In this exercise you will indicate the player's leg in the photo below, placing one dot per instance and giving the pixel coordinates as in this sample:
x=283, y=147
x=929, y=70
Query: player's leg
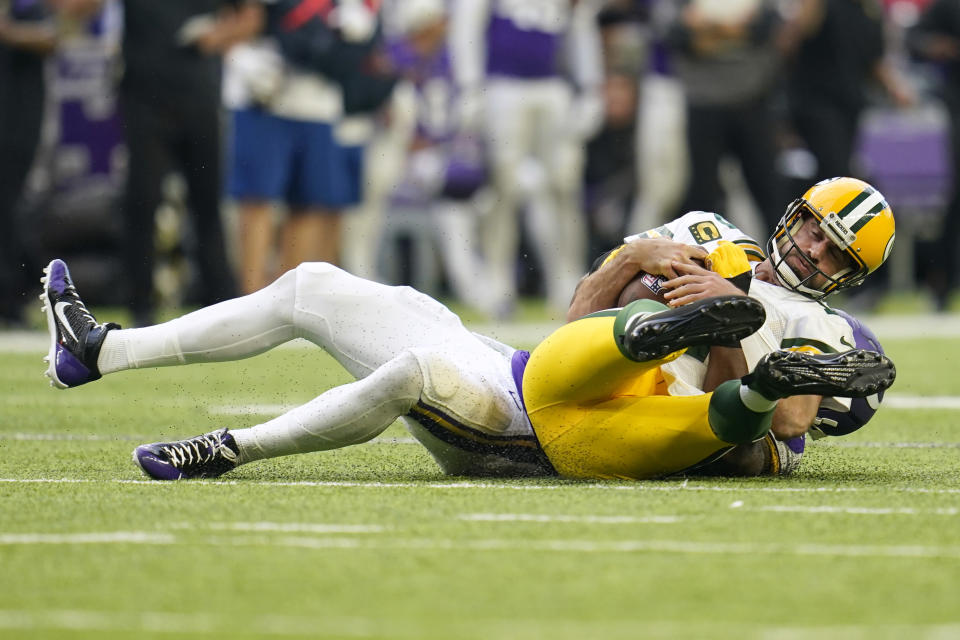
x=461, y=394
x=765, y=457
x=147, y=128
x=342, y=416
x=661, y=151
x=558, y=226
x=81, y=350
x=455, y=222
x=362, y=324
x=200, y=152
x=323, y=182
x=600, y=355
x=260, y=163
x=509, y=133
x=645, y=437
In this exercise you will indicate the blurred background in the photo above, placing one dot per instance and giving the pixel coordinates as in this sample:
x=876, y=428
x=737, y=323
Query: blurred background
x=181, y=152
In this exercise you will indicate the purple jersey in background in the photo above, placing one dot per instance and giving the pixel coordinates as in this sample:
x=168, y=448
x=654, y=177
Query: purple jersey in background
x=432, y=79
x=459, y=159
x=524, y=37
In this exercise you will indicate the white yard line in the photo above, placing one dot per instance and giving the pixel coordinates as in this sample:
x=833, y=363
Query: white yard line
x=109, y=537
x=637, y=486
x=194, y=624
x=858, y=511
x=67, y=437
x=897, y=401
x=945, y=552
x=550, y=519
x=282, y=527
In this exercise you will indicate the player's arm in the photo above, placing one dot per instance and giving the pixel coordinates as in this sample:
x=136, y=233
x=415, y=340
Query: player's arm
x=35, y=37
x=725, y=363
x=601, y=289
x=794, y=416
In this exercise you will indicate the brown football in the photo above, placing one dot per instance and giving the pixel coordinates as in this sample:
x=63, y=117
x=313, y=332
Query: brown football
x=644, y=286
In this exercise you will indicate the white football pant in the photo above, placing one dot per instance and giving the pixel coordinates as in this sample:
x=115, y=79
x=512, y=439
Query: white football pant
x=405, y=349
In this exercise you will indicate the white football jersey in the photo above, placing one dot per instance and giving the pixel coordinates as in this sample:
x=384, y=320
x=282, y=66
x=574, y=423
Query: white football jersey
x=794, y=322
x=705, y=229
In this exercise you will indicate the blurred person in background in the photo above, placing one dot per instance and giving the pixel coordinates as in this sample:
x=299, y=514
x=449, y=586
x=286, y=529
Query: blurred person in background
x=662, y=156
x=726, y=59
x=936, y=37
x=610, y=175
x=513, y=62
x=424, y=163
x=170, y=101
x=27, y=36
x=29, y=33
x=835, y=51
x=299, y=96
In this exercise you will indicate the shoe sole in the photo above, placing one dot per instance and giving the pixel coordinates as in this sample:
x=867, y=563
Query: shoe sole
x=703, y=323
x=47, y=309
x=851, y=374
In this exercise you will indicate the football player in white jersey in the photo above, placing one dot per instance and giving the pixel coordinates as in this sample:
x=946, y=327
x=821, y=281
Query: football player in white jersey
x=513, y=61
x=828, y=240
x=588, y=402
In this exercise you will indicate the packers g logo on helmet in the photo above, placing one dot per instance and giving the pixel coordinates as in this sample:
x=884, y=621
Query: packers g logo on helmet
x=854, y=216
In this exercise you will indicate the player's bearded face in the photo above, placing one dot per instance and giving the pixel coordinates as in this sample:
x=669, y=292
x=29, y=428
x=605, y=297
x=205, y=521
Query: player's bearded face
x=810, y=253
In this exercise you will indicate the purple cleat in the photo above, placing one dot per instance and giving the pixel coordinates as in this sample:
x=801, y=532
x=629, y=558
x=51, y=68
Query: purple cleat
x=75, y=336
x=205, y=456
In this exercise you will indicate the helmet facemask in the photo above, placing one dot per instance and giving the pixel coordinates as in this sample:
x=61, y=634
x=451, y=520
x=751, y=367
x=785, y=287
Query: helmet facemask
x=816, y=284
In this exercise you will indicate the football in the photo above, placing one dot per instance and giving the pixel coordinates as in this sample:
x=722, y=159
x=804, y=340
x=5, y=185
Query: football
x=645, y=286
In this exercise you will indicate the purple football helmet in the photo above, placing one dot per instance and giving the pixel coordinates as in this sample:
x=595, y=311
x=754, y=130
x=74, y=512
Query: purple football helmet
x=840, y=423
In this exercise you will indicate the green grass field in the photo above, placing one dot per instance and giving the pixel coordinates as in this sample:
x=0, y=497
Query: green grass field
x=373, y=542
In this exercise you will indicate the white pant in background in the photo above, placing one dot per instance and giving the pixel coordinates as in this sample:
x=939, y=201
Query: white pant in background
x=530, y=119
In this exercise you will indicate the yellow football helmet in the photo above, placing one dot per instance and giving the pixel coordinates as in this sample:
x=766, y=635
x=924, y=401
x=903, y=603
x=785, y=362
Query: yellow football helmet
x=853, y=215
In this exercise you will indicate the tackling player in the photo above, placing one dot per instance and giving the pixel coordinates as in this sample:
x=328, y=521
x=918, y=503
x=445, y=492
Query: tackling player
x=838, y=222
x=590, y=401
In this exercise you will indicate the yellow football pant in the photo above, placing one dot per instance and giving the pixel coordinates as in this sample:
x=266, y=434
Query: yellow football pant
x=599, y=415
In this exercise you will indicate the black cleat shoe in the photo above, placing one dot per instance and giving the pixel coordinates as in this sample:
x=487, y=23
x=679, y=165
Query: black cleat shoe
x=75, y=336
x=852, y=374
x=718, y=321
x=205, y=456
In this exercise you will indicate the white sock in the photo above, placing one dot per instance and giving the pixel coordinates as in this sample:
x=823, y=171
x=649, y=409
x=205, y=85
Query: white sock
x=139, y=348
x=755, y=401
